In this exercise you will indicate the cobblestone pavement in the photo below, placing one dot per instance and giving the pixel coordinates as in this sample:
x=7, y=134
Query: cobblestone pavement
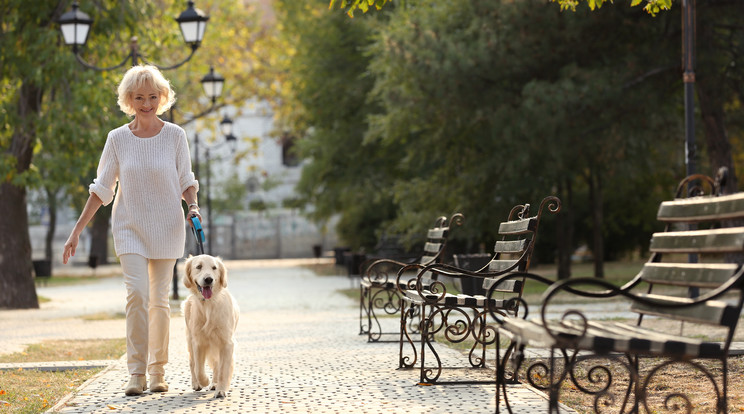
x=298, y=352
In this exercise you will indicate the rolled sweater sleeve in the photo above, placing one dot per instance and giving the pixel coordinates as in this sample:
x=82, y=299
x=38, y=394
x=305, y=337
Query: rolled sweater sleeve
x=108, y=174
x=186, y=177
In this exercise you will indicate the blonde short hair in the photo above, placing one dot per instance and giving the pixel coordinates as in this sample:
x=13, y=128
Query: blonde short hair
x=144, y=75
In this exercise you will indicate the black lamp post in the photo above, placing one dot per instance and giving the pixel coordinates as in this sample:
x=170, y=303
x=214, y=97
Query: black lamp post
x=226, y=127
x=212, y=83
x=75, y=26
x=688, y=77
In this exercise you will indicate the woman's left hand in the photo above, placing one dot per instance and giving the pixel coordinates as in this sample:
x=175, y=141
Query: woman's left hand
x=193, y=212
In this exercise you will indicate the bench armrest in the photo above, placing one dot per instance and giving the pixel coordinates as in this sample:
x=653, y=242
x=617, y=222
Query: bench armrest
x=383, y=270
x=605, y=289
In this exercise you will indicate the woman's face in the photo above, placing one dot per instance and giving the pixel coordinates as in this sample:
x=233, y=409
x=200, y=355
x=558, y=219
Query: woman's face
x=145, y=101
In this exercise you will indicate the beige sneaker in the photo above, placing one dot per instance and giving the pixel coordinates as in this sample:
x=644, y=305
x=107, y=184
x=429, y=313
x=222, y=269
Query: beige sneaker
x=137, y=385
x=158, y=384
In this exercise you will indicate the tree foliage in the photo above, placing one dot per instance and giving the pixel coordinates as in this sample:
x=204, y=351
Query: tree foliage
x=475, y=106
x=652, y=7
x=49, y=110
x=56, y=113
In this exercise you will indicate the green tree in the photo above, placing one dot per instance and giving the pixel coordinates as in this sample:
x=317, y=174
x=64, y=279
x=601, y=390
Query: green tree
x=41, y=85
x=515, y=96
x=326, y=77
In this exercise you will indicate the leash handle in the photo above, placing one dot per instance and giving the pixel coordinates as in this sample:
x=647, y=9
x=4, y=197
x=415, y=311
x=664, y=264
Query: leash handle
x=198, y=233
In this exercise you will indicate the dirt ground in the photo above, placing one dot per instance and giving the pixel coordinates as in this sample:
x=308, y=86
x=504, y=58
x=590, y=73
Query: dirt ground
x=669, y=385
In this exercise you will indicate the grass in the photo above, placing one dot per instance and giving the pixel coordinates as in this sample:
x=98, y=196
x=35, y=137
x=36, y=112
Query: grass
x=32, y=391
x=103, y=316
x=72, y=280
x=67, y=350
x=324, y=269
x=37, y=391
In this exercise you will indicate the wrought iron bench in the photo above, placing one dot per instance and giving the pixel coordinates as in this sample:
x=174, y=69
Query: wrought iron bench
x=378, y=290
x=457, y=317
x=698, y=249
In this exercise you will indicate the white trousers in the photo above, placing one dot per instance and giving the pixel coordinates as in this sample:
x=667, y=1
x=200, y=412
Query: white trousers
x=148, y=312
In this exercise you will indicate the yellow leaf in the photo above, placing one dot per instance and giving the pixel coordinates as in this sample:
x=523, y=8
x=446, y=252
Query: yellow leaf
x=113, y=407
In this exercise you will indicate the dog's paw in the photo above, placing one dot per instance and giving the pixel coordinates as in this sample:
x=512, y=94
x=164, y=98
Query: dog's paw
x=220, y=394
x=196, y=386
x=212, y=386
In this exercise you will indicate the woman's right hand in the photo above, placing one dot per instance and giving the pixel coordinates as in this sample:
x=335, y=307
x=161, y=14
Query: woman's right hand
x=70, y=246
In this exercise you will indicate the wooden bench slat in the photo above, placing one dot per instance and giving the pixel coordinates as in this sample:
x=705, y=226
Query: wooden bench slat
x=475, y=301
x=426, y=259
x=437, y=233
x=702, y=208
x=607, y=336
x=517, y=227
x=707, y=275
x=501, y=265
x=432, y=248
x=510, y=286
x=510, y=246
x=712, y=312
x=724, y=240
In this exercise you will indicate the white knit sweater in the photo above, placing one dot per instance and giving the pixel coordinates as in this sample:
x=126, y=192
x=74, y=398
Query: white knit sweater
x=152, y=174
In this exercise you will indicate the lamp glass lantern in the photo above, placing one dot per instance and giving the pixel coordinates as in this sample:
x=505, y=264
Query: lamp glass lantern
x=193, y=23
x=226, y=126
x=75, y=26
x=212, y=83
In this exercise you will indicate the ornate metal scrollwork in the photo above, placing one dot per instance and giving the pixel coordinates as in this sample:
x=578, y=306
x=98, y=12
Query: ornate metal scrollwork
x=678, y=401
x=597, y=380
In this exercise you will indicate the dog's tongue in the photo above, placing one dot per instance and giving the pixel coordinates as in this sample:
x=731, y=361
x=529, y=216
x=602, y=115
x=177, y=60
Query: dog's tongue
x=207, y=292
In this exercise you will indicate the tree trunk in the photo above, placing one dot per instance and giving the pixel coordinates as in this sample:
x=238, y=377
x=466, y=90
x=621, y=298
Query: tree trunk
x=565, y=230
x=49, y=242
x=595, y=194
x=17, y=289
x=99, y=235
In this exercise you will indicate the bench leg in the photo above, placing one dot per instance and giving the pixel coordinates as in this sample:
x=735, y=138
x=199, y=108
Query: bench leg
x=480, y=334
x=404, y=362
x=501, y=379
x=387, y=300
x=363, y=310
x=429, y=327
x=425, y=321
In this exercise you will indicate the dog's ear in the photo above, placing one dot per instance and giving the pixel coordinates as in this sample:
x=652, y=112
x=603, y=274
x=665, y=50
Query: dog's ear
x=187, y=280
x=223, y=272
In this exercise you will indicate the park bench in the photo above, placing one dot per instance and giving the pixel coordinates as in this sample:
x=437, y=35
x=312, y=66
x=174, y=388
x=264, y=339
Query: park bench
x=378, y=289
x=458, y=317
x=700, y=248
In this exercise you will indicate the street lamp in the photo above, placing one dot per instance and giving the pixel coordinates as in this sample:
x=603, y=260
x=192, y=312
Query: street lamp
x=226, y=127
x=75, y=26
x=212, y=83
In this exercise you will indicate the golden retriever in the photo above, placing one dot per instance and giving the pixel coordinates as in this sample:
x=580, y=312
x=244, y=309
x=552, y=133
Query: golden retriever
x=211, y=314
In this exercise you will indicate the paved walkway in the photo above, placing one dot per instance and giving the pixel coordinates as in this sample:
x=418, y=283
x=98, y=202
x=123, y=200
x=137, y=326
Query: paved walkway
x=298, y=352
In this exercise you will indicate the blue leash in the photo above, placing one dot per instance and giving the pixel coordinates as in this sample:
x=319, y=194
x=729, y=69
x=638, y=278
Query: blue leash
x=198, y=233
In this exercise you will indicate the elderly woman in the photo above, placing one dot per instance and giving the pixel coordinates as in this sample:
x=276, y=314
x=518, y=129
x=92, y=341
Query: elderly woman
x=150, y=160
